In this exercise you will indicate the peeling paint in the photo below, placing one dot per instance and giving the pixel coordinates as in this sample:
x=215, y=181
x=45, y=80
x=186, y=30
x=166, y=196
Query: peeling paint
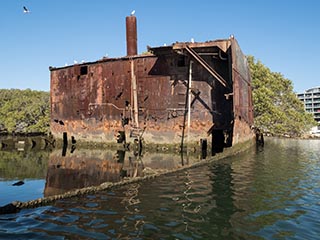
x=146, y=96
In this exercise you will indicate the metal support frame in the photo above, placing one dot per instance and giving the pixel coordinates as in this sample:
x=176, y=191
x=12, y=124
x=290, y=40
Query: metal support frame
x=189, y=100
x=203, y=63
x=135, y=95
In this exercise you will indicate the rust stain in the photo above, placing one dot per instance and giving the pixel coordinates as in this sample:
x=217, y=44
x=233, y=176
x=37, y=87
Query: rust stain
x=146, y=96
x=131, y=33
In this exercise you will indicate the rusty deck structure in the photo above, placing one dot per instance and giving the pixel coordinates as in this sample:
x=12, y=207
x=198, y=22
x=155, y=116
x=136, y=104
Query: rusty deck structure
x=186, y=93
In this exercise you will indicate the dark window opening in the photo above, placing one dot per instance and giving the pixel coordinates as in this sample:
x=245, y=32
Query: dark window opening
x=121, y=137
x=84, y=70
x=181, y=61
x=217, y=142
x=204, y=145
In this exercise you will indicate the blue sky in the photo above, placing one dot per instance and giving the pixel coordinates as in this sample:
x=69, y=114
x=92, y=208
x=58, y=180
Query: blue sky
x=283, y=34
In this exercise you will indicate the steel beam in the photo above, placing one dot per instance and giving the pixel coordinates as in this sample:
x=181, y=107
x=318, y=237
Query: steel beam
x=203, y=63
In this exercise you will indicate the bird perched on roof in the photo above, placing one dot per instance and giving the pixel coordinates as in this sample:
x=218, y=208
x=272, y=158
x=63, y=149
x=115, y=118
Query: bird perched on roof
x=25, y=9
x=133, y=12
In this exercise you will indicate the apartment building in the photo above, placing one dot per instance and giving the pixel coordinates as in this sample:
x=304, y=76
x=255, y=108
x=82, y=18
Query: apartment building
x=311, y=100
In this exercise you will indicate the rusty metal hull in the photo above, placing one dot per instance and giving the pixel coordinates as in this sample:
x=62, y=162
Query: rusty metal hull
x=186, y=92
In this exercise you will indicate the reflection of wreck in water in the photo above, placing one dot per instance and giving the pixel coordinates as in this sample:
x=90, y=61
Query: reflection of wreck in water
x=191, y=92
x=80, y=170
x=91, y=168
x=26, y=143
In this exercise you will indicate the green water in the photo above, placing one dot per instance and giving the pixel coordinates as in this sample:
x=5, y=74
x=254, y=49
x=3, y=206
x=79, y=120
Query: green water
x=270, y=193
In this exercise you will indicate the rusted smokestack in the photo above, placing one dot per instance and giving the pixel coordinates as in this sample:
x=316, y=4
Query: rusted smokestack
x=131, y=29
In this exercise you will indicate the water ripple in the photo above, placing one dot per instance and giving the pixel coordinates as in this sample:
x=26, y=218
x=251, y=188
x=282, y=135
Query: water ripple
x=269, y=194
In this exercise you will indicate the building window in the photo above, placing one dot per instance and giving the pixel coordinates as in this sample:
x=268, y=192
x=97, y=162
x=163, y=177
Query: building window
x=84, y=70
x=181, y=61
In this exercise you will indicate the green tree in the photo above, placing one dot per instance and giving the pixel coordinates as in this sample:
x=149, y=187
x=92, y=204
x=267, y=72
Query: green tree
x=24, y=110
x=277, y=109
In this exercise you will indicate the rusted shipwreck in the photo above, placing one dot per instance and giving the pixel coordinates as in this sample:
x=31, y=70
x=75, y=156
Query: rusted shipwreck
x=187, y=93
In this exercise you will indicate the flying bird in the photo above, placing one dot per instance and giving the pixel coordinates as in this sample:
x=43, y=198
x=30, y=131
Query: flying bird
x=25, y=9
x=133, y=12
